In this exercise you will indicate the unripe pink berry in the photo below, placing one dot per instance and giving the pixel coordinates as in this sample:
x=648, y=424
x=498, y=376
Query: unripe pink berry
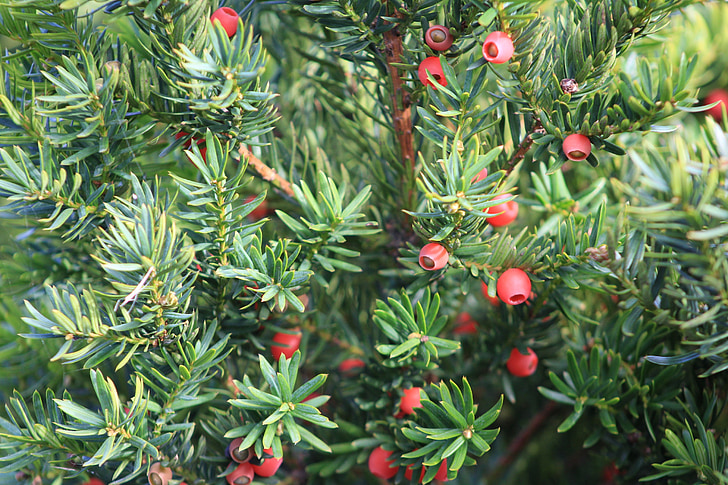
x=576, y=147
x=438, y=38
x=717, y=111
x=498, y=47
x=158, y=474
x=522, y=365
x=410, y=400
x=242, y=475
x=513, y=286
x=433, y=256
x=508, y=212
x=379, y=464
x=433, y=66
x=228, y=18
x=287, y=343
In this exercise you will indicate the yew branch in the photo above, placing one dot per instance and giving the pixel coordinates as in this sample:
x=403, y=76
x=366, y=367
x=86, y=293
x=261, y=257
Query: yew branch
x=265, y=171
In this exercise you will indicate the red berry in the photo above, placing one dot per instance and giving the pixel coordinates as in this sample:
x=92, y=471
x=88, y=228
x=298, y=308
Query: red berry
x=351, y=365
x=288, y=343
x=717, y=95
x=576, y=147
x=505, y=212
x=433, y=256
x=498, y=47
x=481, y=176
x=242, y=475
x=464, y=324
x=379, y=464
x=513, y=286
x=93, y=481
x=522, y=365
x=228, y=18
x=158, y=474
x=495, y=301
x=269, y=466
x=433, y=66
x=238, y=455
x=441, y=472
x=188, y=143
x=438, y=38
x=410, y=400
x=259, y=212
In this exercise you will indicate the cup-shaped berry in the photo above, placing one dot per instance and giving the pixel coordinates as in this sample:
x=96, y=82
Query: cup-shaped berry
x=286, y=343
x=522, y=365
x=438, y=38
x=268, y=465
x=410, y=400
x=238, y=455
x=351, y=365
x=158, y=474
x=494, y=300
x=505, y=213
x=228, y=18
x=242, y=475
x=433, y=66
x=513, y=286
x=720, y=96
x=433, y=256
x=465, y=325
x=498, y=47
x=380, y=465
x=576, y=147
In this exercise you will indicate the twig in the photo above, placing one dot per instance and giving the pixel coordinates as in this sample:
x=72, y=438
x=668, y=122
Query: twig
x=523, y=148
x=131, y=297
x=265, y=171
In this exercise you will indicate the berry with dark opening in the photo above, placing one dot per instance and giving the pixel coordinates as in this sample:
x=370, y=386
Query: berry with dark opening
x=286, y=343
x=268, y=465
x=438, y=38
x=158, y=474
x=505, y=212
x=433, y=256
x=433, y=66
x=380, y=465
x=576, y=147
x=498, y=47
x=238, y=455
x=717, y=111
x=522, y=365
x=410, y=400
x=242, y=475
x=228, y=18
x=513, y=286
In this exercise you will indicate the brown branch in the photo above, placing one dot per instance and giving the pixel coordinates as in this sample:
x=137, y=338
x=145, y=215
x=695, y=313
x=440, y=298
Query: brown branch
x=523, y=148
x=401, y=106
x=265, y=171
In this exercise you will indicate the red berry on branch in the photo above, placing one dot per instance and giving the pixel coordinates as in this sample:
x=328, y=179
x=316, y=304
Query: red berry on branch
x=287, y=343
x=481, y=176
x=268, y=466
x=188, y=144
x=410, y=400
x=238, y=455
x=228, y=18
x=158, y=474
x=433, y=256
x=242, y=475
x=259, y=212
x=522, y=365
x=513, y=286
x=494, y=300
x=379, y=465
x=497, y=48
x=441, y=472
x=505, y=212
x=433, y=66
x=576, y=147
x=438, y=38
x=464, y=324
x=351, y=365
x=93, y=481
x=716, y=111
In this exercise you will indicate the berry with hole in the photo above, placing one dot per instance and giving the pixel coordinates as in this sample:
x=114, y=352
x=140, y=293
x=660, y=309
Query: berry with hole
x=522, y=365
x=236, y=454
x=513, y=286
x=228, y=18
x=576, y=147
x=433, y=66
x=505, y=212
x=438, y=38
x=242, y=475
x=433, y=256
x=498, y=47
x=380, y=465
x=158, y=474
